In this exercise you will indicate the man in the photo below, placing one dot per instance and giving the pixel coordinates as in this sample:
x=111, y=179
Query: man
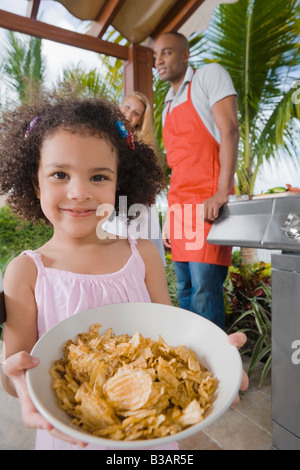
x=200, y=133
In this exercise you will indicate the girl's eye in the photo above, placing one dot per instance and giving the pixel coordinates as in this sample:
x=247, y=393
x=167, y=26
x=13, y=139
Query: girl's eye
x=60, y=175
x=99, y=178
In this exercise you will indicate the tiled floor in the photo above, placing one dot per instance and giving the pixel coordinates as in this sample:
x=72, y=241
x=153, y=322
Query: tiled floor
x=246, y=426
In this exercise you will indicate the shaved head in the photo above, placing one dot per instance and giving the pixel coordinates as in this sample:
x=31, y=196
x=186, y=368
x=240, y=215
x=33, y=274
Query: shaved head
x=180, y=38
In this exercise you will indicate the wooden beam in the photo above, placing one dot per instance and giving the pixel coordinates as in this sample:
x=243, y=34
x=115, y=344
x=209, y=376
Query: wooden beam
x=105, y=17
x=38, y=29
x=33, y=8
x=137, y=71
x=179, y=14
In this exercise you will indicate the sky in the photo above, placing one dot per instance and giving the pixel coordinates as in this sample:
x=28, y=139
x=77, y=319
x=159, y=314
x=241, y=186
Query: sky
x=59, y=56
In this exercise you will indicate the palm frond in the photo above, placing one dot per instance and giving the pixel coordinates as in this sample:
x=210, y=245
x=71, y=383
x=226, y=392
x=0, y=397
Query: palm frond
x=24, y=64
x=277, y=128
x=258, y=43
x=83, y=83
x=254, y=41
x=114, y=67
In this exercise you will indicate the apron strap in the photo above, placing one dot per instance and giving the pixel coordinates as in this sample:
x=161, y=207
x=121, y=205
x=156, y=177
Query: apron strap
x=190, y=85
x=189, y=92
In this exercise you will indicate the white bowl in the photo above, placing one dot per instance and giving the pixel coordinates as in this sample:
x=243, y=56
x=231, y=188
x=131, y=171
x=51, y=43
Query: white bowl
x=175, y=325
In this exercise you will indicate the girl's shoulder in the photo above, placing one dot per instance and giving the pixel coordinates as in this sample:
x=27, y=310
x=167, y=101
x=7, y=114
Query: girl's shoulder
x=145, y=245
x=20, y=269
x=147, y=250
x=155, y=278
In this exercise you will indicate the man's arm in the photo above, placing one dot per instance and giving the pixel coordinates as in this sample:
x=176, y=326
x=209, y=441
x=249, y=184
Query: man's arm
x=225, y=116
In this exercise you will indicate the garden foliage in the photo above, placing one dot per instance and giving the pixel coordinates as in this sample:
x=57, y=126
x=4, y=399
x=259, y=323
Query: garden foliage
x=247, y=295
x=17, y=235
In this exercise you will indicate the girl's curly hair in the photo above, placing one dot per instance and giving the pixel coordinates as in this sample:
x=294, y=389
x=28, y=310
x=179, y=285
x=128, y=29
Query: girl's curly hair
x=139, y=174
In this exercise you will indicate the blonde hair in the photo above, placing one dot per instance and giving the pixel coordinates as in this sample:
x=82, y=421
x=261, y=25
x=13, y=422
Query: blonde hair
x=145, y=130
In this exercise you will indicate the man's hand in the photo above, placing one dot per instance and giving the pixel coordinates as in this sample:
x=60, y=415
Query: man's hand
x=238, y=340
x=212, y=206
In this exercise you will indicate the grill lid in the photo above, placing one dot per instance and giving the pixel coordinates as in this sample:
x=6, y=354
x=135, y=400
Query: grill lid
x=271, y=223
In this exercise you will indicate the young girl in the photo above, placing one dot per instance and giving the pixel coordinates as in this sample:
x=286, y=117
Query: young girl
x=59, y=161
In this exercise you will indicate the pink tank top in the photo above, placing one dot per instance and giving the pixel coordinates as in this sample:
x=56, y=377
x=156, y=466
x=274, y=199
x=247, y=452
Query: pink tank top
x=60, y=294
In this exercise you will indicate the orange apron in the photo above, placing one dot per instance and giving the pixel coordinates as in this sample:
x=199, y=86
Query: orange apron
x=193, y=156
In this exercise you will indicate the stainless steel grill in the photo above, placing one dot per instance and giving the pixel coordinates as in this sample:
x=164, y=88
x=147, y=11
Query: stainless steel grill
x=257, y=224
x=274, y=223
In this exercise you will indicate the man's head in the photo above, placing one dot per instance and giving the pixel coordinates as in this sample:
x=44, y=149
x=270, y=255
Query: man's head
x=171, y=53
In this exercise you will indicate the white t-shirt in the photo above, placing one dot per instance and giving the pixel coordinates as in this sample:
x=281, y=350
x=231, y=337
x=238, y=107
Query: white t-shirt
x=211, y=83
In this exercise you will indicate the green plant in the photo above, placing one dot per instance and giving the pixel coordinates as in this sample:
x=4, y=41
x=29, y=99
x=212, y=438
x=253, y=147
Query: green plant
x=247, y=296
x=24, y=66
x=171, y=280
x=258, y=43
x=85, y=83
x=236, y=258
x=17, y=235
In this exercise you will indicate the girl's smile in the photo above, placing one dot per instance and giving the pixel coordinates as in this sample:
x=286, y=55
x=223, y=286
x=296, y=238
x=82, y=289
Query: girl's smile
x=77, y=212
x=77, y=173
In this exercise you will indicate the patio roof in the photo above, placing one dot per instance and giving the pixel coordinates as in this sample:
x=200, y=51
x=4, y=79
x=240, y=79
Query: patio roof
x=138, y=21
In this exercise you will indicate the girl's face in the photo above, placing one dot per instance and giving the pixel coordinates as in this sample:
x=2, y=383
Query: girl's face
x=133, y=109
x=76, y=174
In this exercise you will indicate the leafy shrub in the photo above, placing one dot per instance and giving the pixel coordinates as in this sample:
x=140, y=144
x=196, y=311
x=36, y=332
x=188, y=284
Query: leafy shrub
x=236, y=258
x=247, y=296
x=17, y=235
x=171, y=280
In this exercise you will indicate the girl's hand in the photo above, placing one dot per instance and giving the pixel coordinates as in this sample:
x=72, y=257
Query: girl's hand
x=15, y=368
x=238, y=340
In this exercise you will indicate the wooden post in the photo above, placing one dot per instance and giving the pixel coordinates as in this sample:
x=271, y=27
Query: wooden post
x=137, y=71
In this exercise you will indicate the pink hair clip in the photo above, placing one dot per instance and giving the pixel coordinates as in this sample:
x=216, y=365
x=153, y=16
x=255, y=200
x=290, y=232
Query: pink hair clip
x=31, y=125
x=130, y=140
